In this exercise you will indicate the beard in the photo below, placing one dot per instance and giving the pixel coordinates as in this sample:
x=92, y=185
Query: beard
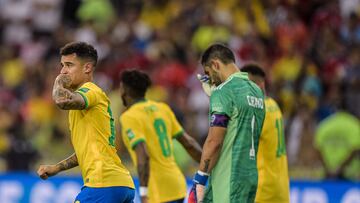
x=215, y=80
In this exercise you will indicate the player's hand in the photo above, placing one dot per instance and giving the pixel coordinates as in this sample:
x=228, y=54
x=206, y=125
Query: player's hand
x=200, y=192
x=46, y=171
x=196, y=194
x=64, y=80
x=204, y=79
x=197, y=191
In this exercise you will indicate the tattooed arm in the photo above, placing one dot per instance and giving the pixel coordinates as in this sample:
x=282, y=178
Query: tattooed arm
x=212, y=148
x=209, y=158
x=46, y=171
x=65, y=98
x=68, y=163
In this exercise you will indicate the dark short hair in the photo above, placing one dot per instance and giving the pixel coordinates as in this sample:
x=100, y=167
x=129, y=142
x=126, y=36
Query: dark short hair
x=217, y=51
x=254, y=69
x=137, y=82
x=82, y=50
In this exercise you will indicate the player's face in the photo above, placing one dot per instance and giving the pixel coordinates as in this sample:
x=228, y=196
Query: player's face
x=214, y=78
x=72, y=66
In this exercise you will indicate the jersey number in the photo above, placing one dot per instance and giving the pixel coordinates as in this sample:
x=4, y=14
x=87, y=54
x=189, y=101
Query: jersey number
x=160, y=129
x=281, y=150
x=252, y=149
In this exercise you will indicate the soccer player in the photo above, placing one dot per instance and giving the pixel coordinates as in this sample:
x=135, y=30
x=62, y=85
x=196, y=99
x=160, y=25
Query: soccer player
x=92, y=130
x=273, y=184
x=236, y=115
x=148, y=128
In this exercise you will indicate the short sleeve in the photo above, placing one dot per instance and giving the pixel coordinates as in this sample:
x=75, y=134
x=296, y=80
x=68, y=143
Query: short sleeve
x=89, y=94
x=131, y=130
x=176, y=129
x=220, y=103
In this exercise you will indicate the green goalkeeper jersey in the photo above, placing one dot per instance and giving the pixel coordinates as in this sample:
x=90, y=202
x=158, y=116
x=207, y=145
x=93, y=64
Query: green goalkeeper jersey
x=234, y=178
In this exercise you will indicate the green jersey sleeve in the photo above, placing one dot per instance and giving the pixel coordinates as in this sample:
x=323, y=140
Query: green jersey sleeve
x=220, y=103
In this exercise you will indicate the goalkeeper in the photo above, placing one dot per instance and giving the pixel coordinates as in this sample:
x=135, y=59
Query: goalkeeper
x=236, y=118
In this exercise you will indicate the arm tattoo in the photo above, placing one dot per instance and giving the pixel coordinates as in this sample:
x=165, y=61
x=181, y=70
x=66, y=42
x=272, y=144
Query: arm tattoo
x=65, y=98
x=207, y=163
x=59, y=90
x=68, y=163
x=64, y=81
x=61, y=93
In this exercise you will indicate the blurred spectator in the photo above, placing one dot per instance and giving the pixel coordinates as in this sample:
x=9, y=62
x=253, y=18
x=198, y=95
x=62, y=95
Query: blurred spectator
x=350, y=30
x=352, y=82
x=338, y=141
x=100, y=13
x=21, y=153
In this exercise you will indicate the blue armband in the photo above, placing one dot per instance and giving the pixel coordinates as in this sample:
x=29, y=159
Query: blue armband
x=201, y=178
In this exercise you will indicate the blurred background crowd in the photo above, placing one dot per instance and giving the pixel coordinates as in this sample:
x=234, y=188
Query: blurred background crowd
x=310, y=50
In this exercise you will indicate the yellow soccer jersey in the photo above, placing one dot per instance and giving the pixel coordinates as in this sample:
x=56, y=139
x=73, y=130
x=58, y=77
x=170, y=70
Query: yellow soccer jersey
x=93, y=137
x=155, y=124
x=273, y=185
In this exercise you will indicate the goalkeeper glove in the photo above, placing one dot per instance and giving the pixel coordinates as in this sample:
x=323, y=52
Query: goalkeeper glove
x=204, y=79
x=198, y=189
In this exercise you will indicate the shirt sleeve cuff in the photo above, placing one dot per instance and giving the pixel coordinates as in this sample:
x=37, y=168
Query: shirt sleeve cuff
x=178, y=134
x=136, y=142
x=84, y=97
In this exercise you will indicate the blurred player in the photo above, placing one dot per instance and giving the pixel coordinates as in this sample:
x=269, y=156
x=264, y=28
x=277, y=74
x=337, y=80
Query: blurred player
x=92, y=130
x=237, y=114
x=273, y=185
x=148, y=128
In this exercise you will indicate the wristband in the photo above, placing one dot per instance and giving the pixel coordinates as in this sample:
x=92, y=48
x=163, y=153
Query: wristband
x=143, y=191
x=201, y=178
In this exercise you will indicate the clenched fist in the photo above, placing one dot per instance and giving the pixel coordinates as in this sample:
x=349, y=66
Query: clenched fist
x=46, y=171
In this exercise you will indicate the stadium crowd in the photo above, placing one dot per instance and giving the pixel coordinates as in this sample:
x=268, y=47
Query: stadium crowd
x=310, y=49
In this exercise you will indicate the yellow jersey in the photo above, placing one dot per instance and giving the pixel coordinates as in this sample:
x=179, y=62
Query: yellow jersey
x=93, y=137
x=273, y=183
x=155, y=124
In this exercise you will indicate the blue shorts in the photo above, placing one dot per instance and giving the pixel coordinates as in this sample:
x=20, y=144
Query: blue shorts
x=106, y=195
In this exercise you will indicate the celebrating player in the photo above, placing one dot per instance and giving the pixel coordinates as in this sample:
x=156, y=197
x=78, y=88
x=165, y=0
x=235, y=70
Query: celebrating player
x=148, y=128
x=92, y=130
x=273, y=185
x=237, y=114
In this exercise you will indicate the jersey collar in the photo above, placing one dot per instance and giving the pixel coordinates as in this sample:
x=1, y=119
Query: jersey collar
x=238, y=74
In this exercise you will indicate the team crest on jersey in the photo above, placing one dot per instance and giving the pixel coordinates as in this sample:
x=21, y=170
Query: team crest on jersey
x=130, y=134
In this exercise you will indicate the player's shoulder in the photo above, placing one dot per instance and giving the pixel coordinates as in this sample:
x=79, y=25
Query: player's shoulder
x=90, y=86
x=127, y=115
x=221, y=90
x=160, y=106
x=137, y=109
x=271, y=105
